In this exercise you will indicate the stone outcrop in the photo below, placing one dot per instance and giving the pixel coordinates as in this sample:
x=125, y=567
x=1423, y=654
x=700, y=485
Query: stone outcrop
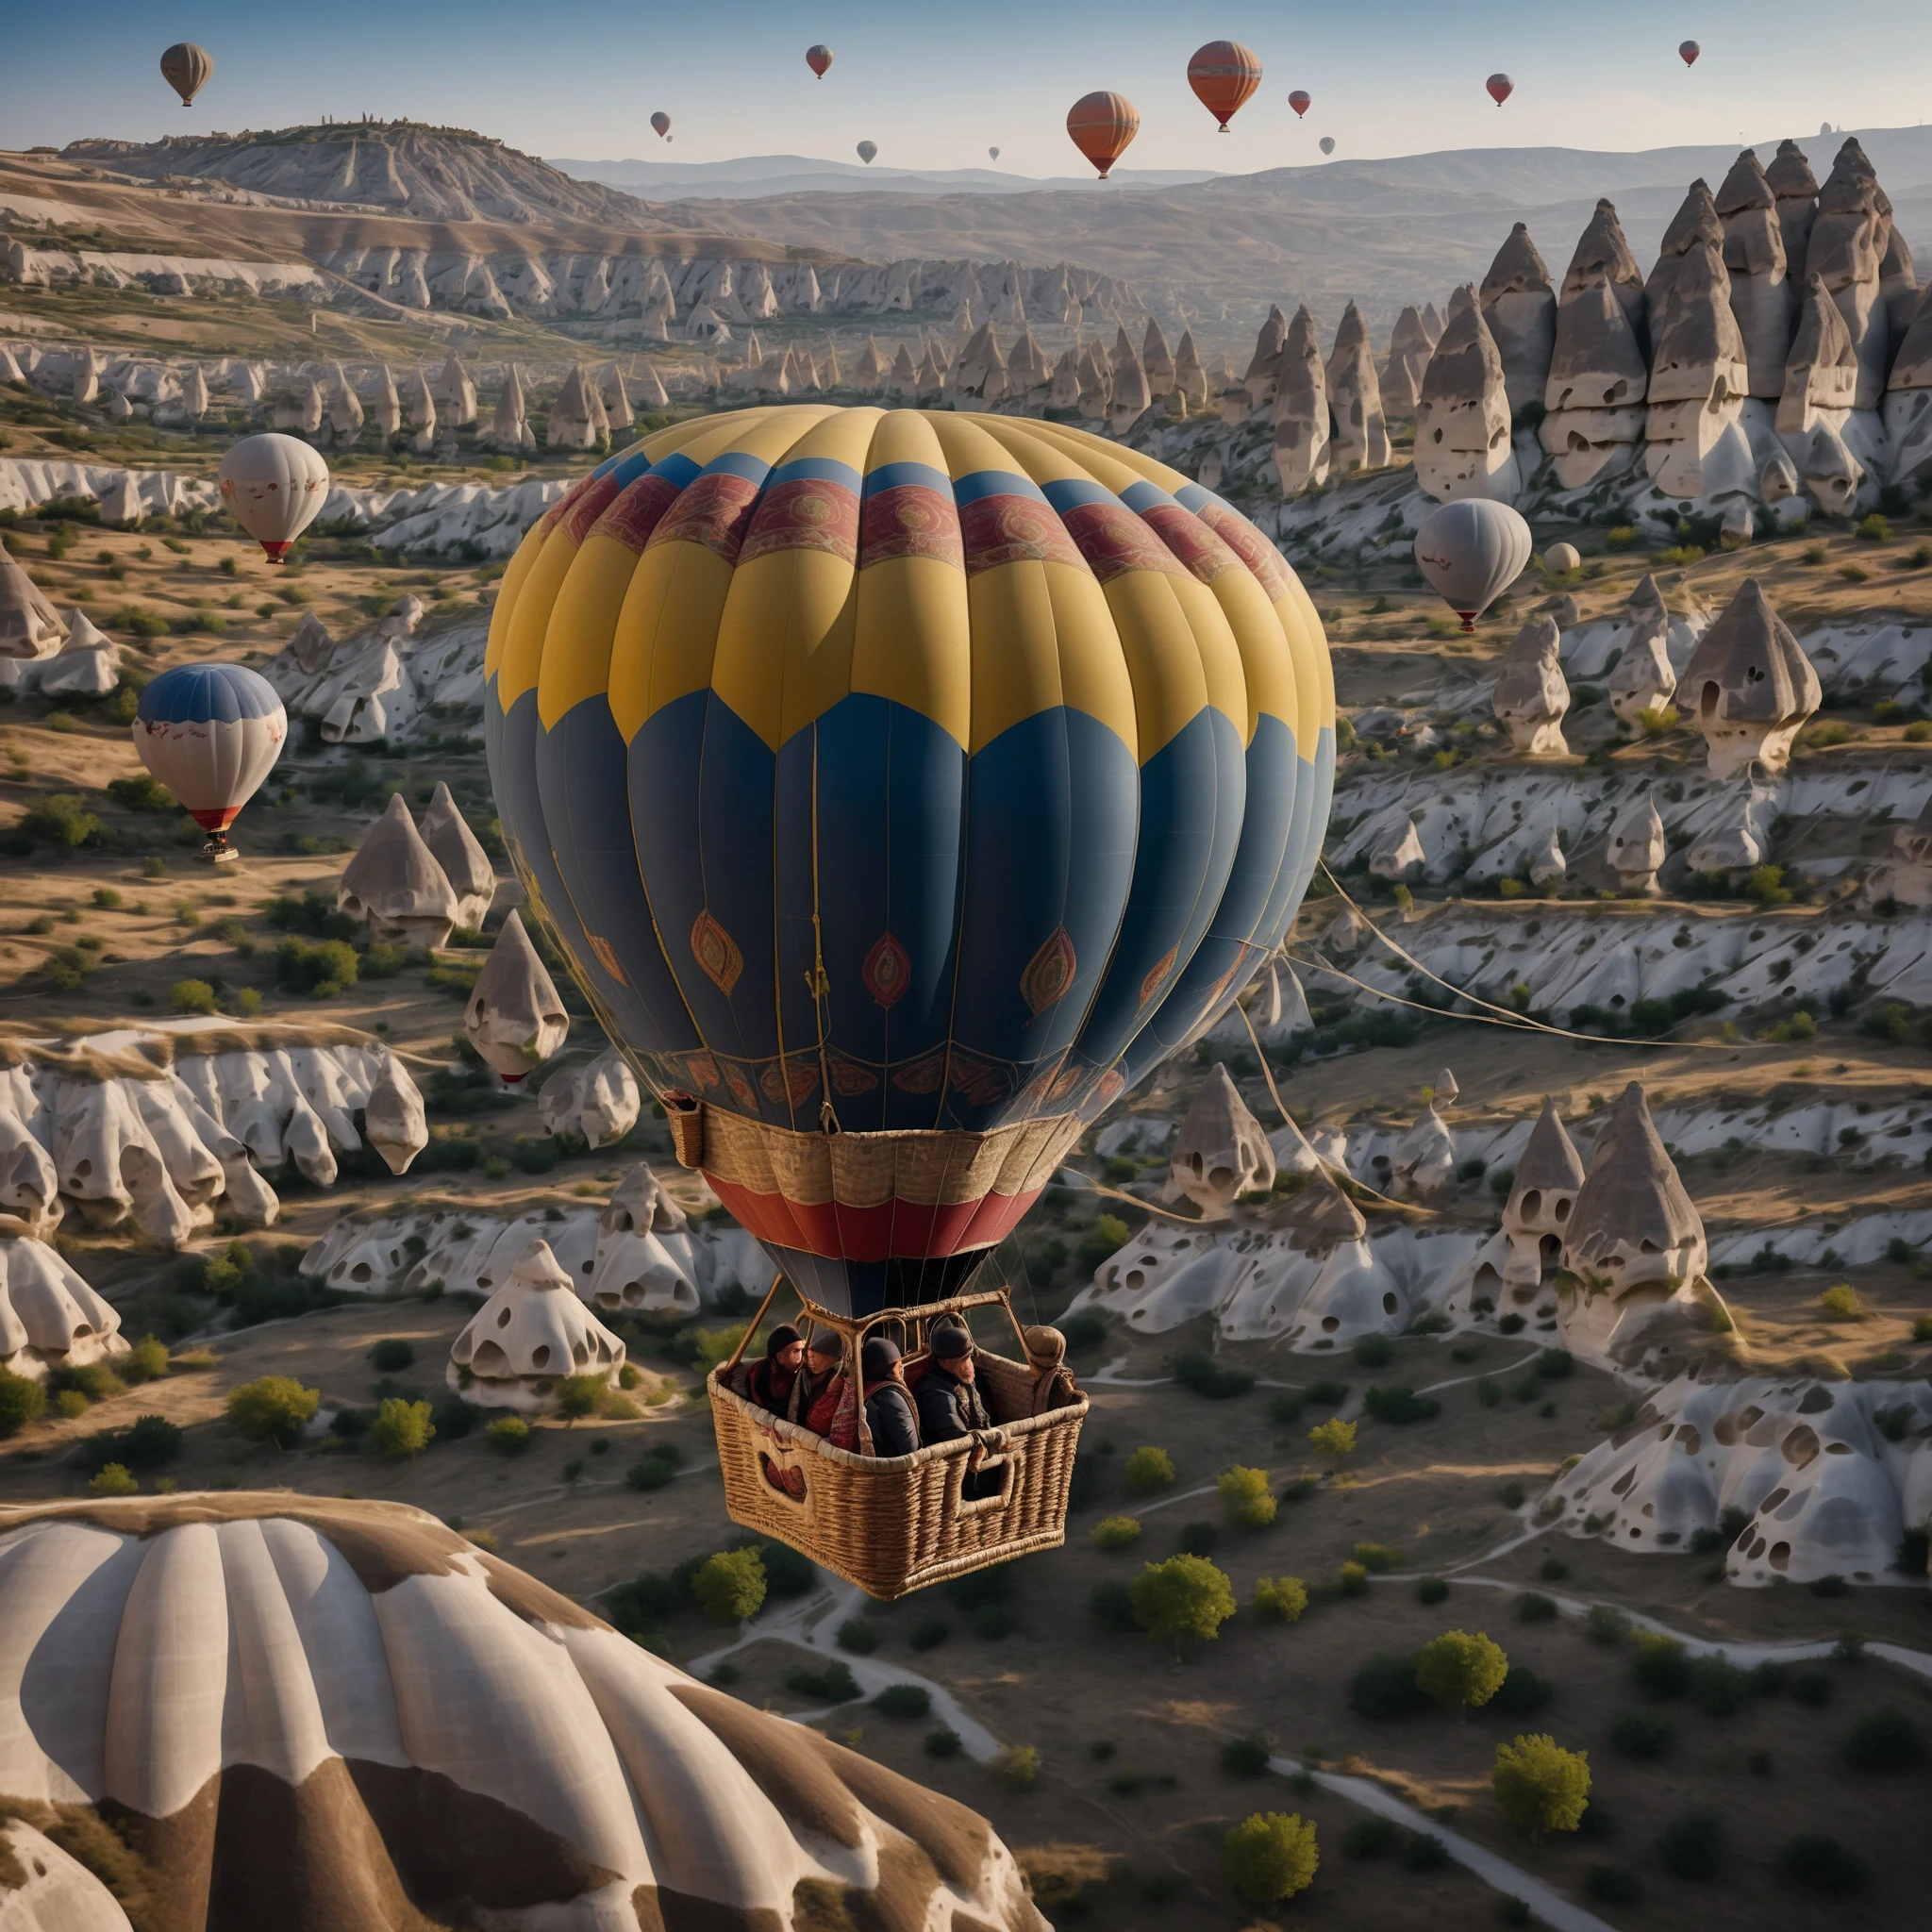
x=1129, y=397
x=1361, y=439
x=454, y=393
x=1398, y=852
x=1535, y=1214
x=1820, y=385
x=1462, y=446
x=1698, y=377
x=1797, y=188
x=1748, y=685
x=1156, y=362
x=1909, y=397
x=1692, y=230
x=597, y=1103
x=1762, y=293
x=1847, y=253
x=1261, y=376
x=1531, y=694
x=29, y=625
x=1221, y=1152
x=1300, y=416
x=1190, y=378
x=464, y=862
x=577, y=418
x=50, y=1318
x=393, y=886
x=1593, y=399
x=1520, y=309
x=1643, y=680
x=1409, y=349
x=1636, y=847
x=532, y=1333
x=515, y=1018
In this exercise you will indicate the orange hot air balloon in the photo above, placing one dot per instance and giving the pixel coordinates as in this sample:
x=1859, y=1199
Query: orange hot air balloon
x=1501, y=87
x=1688, y=52
x=1102, y=125
x=1301, y=101
x=1224, y=73
x=818, y=59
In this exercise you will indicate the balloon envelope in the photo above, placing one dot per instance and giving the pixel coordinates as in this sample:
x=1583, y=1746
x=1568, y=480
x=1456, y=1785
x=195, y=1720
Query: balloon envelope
x=994, y=152
x=1224, y=73
x=758, y=690
x=818, y=59
x=1301, y=100
x=866, y=150
x=661, y=121
x=1688, y=52
x=274, y=486
x=1471, y=551
x=210, y=733
x=1102, y=124
x=186, y=68
x=1500, y=88
x=1327, y=143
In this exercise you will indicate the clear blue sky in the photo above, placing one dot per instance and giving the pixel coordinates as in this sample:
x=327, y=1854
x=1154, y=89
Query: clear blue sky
x=934, y=85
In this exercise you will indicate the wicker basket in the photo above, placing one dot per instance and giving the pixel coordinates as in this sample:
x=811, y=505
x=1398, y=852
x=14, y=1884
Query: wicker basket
x=892, y=1524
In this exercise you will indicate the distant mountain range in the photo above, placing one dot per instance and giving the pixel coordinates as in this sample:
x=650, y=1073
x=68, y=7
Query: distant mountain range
x=756, y=175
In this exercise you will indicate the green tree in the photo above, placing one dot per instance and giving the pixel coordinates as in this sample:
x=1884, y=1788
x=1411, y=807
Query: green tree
x=274, y=1410
x=1459, y=1670
x=729, y=1586
x=148, y=1362
x=1246, y=1497
x=579, y=1395
x=1146, y=1470
x=22, y=1401
x=1332, y=1438
x=1018, y=1765
x=1280, y=1599
x=1271, y=1855
x=1116, y=1532
x=401, y=1429
x=1541, y=1786
x=1185, y=1596
x=509, y=1435
x=116, y=1479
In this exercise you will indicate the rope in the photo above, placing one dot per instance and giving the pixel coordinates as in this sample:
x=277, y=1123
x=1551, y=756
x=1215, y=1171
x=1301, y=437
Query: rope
x=1521, y=1023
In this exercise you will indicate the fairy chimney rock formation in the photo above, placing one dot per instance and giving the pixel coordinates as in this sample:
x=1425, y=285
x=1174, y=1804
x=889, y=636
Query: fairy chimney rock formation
x=980, y=362
x=1317, y=1217
x=1820, y=373
x=1361, y=439
x=1593, y=400
x=1397, y=853
x=509, y=429
x=1190, y=378
x=1694, y=227
x=1749, y=685
x=1130, y=394
x=1301, y=407
x=1462, y=444
x=1221, y=1152
x=1847, y=252
x=616, y=399
x=1643, y=680
x=50, y=1318
x=1409, y=348
x=1697, y=371
x=1797, y=188
x=1027, y=368
x=1898, y=287
x=455, y=393
x=1259, y=379
x=1909, y=397
x=1762, y=290
x=533, y=1331
x=29, y=625
x=515, y=1017
x=576, y=415
x=1542, y=1196
x=1520, y=309
x=464, y=862
x=1157, y=361
x=1422, y=1164
x=1531, y=693
x=1636, y=847
x=393, y=885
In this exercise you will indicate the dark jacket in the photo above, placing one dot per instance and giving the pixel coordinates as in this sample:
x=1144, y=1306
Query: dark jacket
x=948, y=1407
x=888, y=1416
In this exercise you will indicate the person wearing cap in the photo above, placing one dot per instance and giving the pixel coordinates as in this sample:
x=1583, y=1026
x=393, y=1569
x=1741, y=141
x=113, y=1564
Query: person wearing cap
x=769, y=1382
x=950, y=1406
x=888, y=1407
x=815, y=1376
x=1053, y=1382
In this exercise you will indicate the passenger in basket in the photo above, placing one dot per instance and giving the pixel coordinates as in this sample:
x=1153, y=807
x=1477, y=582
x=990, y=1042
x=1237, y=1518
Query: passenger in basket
x=1053, y=1382
x=888, y=1408
x=815, y=1378
x=769, y=1382
x=950, y=1405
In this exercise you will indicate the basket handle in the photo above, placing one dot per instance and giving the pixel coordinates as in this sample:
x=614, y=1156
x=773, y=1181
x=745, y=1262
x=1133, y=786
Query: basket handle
x=744, y=1340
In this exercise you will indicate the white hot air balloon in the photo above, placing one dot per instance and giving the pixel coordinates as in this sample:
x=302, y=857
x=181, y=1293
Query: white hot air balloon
x=1560, y=559
x=210, y=733
x=274, y=486
x=1471, y=551
x=866, y=150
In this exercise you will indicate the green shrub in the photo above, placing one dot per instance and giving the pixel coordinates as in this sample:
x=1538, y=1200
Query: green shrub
x=392, y=1354
x=1246, y=1497
x=835, y=1684
x=192, y=996
x=150, y=1442
x=905, y=1701
x=1398, y=1406
x=1637, y=1734
x=856, y=1634
x=1270, y=1856
x=273, y=1409
x=929, y=1633
x=1819, y=1863
x=61, y=819
x=653, y=1473
x=1541, y=1786
x=1460, y=1671
x=1352, y=1579
x=942, y=1743
x=143, y=793
x=1117, y=1532
x=148, y=1362
x=1244, y=1756
x=1332, y=1438
x=1018, y=1766
x=1523, y=1694
x=1431, y=1590
x=1885, y=1740
x=1184, y=1597
x=1606, y=1623
x=729, y=1586
x=580, y=1395
x=1385, y=1687
x=509, y=1435
x=401, y=1429
x=1146, y=1470
x=1106, y=1234
x=1841, y=1301
x=1375, y=1351
x=1660, y=1665
x=1533, y=1607
x=116, y=1479
x=1206, y=1376
x=1692, y=1846
x=1280, y=1599
x=1425, y=1852
x=1718, y=1687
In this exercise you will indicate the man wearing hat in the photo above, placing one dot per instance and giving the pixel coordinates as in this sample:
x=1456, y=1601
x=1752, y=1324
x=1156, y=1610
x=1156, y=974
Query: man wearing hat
x=888, y=1407
x=950, y=1405
x=769, y=1382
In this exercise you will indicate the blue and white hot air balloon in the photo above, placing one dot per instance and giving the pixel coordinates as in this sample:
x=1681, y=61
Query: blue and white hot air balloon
x=210, y=733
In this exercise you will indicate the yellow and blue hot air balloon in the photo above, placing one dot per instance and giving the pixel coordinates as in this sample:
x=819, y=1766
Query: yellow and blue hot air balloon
x=210, y=733
x=902, y=788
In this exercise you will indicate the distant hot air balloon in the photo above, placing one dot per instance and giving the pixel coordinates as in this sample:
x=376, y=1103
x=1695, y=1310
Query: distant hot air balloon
x=866, y=150
x=1688, y=52
x=210, y=733
x=1472, y=550
x=1327, y=144
x=661, y=121
x=1102, y=125
x=1301, y=100
x=1224, y=73
x=1501, y=87
x=818, y=59
x=186, y=68
x=994, y=151
x=274, y=486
